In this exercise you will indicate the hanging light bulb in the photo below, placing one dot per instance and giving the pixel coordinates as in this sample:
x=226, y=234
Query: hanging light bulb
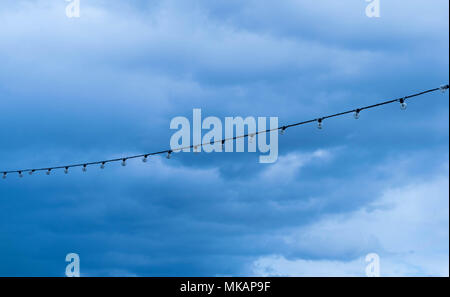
x=356, y=114
x=4, y=175
x=196, y=149
x=124, y=162
x=145, y=159
x=319, y=123
x=102, y=166
x=282, y=130
x=251, y=138
x=168, y=154
x=20, y=174
x=84, y=168
x=223, y=144
x=443, y=88
x=66, y=170
x=31, y=172
x=48, y=171
x=403, y=104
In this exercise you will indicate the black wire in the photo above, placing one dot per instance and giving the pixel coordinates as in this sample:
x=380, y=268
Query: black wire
x=48, y=169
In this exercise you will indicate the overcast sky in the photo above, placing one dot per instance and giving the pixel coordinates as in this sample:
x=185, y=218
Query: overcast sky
x=107, y=84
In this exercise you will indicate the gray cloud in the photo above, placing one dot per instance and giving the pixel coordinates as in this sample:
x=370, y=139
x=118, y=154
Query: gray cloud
x=108, y=84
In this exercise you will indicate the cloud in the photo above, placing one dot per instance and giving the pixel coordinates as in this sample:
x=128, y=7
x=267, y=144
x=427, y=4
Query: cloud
x=108, y=84
x=285, y=169
x=396, y=226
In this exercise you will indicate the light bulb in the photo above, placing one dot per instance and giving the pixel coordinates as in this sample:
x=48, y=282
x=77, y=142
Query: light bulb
x=223, y=144
x=356, y=114
x=319, y=123
x=144, y=159
x=195, y=149
x=403, y=104
x=443, y=88
x=20, y=174
x=168, y=154
x=124, y=162
x=4, y=175
x=48, y=171
x=31, y=172
x=251, y=138
x=102, y=166
x=66, y=170
x=282, y=130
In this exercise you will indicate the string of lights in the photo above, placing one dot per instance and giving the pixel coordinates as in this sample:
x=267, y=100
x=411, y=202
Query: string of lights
x=356, y=113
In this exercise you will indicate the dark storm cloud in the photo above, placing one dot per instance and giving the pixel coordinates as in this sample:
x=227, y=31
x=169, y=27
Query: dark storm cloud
x=109, y=83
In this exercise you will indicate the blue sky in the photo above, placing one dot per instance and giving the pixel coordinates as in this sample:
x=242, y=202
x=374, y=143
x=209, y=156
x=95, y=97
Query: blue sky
x=108, y=83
